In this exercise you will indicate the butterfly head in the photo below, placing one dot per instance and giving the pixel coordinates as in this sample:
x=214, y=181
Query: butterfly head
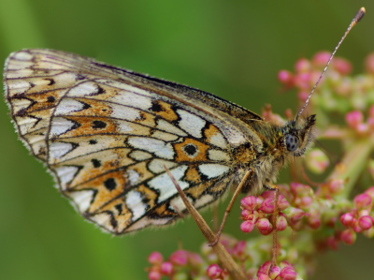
x=298, y=134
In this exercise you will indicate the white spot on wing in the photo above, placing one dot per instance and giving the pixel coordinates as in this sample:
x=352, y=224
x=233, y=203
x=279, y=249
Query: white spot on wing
x=124, y=113
x=58, y=149
x=135, y=204
x=166, y=126
x=21, y=55
x=66, y=174
x=157, y=165
x=132, y=99
x=102, y=219
x=17, y=86
x=213, y=170
x=165, y=185
x=191, y=123
x=82, y=199
x=157, y=147
x=177, y=204
x=61, y=125
x=68, y=105
x=140, y=155
x=218, y=155
x=84, y=89
x=25, y=124
x=219, y=140
x=133, y=176
x=204, y=200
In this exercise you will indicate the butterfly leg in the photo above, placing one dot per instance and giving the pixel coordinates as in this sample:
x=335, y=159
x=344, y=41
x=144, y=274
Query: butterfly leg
x=231, y=204
x=227, y=261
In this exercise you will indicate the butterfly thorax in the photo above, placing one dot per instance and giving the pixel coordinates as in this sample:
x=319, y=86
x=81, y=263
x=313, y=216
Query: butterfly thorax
x=277, y=146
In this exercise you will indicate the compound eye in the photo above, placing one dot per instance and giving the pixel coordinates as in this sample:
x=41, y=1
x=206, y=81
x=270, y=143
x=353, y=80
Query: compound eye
x=292, y=142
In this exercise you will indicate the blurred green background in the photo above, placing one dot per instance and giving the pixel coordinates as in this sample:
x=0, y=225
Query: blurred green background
x=231, y=48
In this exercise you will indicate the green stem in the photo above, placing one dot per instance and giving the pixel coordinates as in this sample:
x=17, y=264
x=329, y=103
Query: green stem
x=353, y=163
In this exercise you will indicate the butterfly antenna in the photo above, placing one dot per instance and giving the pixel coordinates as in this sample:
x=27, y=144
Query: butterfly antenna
x=360, y=14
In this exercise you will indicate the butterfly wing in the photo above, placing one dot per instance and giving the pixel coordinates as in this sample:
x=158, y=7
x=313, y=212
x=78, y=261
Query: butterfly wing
x=107, y=135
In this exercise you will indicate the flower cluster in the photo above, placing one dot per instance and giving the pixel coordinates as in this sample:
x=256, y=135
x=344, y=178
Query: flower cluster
x=360, y=218
x=180, y=263
x=304, y=218
x=258, y=211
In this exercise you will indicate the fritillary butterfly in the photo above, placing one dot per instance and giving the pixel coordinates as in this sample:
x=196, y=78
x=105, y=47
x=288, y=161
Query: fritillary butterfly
x=107, y=134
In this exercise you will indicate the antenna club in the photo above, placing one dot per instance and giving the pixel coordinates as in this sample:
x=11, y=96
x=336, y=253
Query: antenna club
x=360, y=14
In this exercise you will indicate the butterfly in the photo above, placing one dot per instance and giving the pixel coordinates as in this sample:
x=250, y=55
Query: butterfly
x=107, y=134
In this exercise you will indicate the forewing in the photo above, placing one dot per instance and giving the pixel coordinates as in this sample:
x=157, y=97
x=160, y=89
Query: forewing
x=107, y=135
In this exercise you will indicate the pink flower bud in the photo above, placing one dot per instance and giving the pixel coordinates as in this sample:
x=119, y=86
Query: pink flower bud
x=246, y=215
x=333, y=243
x=305, y=201
x=362, y=128
x=281, y=223
x=166, y=268
x=262, y=276
x=296, y=215
x=179, y=257
x=264, y=226
x=288, y=273
x=240, y=247
x=369, y=63
x=347, y=219
x=268, y=206
x=195, y=259
x=303, y=80
x=249, y=202
x=336, y=186
x=154, y=275
x=282, y=202
x=302, y=95
x=247, y=226
x=314, y=219
x=354, y=118
x=264, y=269
x=300, y=189
x=317, y=161
x=365, y=222
x=285, y=77
x=302, y=65
x=363, y=200
x=155, y=258
x=370, y=191
x=214, y=271
x=342, y=65
x=274, y=272
x=348, y=236
x=321, y=58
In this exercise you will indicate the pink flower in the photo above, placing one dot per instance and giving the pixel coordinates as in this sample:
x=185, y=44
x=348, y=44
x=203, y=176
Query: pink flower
x=354, y=119
x=363, y=201
x=179, y=257
x=155, y=258
x=369, y=63
x=264, y=226
x=365, y=222
x=347, y=219
x=281, y=223
x=247, y=226
x=154, y=275
x=214, y=271
x=321, y=58
x=348, y=236
x=249, y=202
x=268, y=206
